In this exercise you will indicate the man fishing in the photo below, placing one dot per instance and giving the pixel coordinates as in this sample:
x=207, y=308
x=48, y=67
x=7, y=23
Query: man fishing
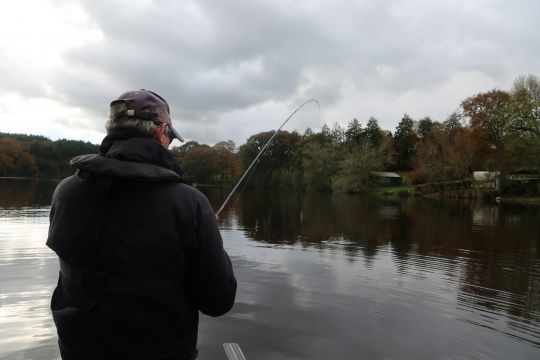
x=140, y=251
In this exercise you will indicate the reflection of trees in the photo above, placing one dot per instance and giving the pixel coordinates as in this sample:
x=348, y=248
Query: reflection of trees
x=495, y=260
x=318, y=220
x=272, y=217
x=503, y=274
x=16, y=193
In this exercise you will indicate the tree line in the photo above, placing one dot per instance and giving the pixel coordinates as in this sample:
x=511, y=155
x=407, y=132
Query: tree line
x=37, y=156
x=493, y=131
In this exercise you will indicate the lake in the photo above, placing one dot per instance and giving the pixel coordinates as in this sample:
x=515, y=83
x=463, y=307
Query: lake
x=323, y=276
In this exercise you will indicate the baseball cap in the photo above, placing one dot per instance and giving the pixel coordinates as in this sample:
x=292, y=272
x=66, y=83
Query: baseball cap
x=146, y=105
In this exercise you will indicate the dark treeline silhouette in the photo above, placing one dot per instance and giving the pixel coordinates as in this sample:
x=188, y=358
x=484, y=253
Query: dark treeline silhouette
x=38, y=156
x=491, y=131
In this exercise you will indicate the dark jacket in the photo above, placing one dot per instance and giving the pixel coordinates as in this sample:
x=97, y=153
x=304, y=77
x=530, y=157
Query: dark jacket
x=143, y=255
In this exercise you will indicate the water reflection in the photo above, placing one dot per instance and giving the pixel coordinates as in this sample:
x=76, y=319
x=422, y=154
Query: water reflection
x=22, y=193
x=324, y=276
x=475, y=263
x=27, y=271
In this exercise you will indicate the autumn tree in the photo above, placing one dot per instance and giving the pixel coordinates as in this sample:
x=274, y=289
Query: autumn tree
x=15, y=160
x=441, y=157
x=488, y=115
x=225, y=162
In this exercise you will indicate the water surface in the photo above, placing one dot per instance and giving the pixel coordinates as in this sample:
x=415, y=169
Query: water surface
x=323, y=277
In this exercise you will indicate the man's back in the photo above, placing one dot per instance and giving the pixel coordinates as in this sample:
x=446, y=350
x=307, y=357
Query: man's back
x=159, y=258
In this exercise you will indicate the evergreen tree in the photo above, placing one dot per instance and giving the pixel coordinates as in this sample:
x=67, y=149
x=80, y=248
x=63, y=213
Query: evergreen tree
x=354, y=132
x=405, y=140
x=425, y=127
x=373, y=132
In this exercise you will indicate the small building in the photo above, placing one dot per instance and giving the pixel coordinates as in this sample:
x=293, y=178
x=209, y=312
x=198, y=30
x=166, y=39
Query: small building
x=485, y=175
x=386, y=178
x=487, y=179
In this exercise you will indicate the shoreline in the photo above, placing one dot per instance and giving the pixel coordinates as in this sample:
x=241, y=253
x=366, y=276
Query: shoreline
x=529, y=200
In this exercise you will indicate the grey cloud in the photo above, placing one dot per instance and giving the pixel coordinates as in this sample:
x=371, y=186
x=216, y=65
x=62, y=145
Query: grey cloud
x=244, y=55
x=210, y=57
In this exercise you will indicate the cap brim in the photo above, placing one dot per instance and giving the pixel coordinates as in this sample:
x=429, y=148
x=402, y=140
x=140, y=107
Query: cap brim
x=175, y=133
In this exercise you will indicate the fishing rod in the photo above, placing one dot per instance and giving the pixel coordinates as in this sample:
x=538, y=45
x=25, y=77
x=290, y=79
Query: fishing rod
x=262, y=151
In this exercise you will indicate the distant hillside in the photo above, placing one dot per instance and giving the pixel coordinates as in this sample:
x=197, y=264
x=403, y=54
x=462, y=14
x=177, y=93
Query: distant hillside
x=23, y=137
x=38, y=156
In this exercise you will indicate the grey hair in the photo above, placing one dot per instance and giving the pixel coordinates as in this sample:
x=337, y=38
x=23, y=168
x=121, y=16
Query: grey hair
x=141, y=127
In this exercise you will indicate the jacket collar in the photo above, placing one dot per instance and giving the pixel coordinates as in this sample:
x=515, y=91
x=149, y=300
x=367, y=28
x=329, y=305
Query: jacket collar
x=130, y=156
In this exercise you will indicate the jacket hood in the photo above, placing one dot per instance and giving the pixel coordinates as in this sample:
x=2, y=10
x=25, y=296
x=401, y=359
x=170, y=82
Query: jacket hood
x=131, y=157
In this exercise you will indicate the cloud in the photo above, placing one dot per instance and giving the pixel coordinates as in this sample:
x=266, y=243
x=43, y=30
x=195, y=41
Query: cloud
x=221, y=63
x=219, y=57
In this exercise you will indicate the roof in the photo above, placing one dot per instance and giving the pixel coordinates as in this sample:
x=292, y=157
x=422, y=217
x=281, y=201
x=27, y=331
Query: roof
x=385, y=174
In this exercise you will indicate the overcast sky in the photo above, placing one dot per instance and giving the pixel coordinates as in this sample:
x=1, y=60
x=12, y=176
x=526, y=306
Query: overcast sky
x=233, y=68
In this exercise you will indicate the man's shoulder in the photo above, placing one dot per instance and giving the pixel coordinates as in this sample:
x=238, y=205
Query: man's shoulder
x=67, y=186
x=189, y=191
x=138, y=170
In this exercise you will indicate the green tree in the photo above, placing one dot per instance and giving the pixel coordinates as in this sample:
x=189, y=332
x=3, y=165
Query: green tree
x=46, y=158
x=355, y=167
x=525, y=105
x=319, y=161
x=181, y=151
x=308, y=133
x=405, y=140
x=453, y=123
x=425, y=127
x=354, y=132
x=523, y=145
x=337, y=134
x=326, y=132
x=277, y=159
x=373, y=132
x=198, y=164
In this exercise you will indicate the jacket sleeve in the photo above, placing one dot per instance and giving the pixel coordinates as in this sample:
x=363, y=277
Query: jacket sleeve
x=215, y=284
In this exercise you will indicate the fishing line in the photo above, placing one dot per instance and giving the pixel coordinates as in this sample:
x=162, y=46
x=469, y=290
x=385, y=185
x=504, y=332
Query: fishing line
x=245, y=183
x=262, y=151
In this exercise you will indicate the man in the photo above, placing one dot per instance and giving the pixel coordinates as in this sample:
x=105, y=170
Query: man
x=140, y=251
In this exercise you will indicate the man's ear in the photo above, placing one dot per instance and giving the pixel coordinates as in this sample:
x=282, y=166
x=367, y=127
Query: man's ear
x=161, y=135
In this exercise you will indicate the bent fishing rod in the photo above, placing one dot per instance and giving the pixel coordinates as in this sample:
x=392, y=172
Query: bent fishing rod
x=262, y=152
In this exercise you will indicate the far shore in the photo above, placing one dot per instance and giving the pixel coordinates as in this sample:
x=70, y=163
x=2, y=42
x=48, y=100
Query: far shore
x=392, y=192
x=534, y=200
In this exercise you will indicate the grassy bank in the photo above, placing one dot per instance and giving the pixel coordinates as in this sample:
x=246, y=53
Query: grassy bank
x=533, y=200
x=403, y=190
x=406, y=191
